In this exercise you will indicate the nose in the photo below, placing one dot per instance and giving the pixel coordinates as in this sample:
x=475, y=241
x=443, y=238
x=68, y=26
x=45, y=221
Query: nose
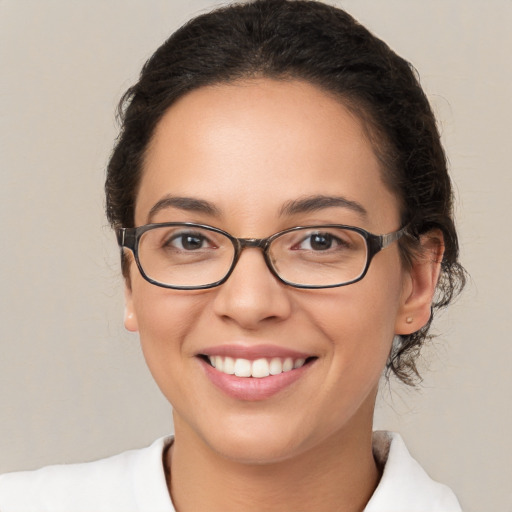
x=252, y=295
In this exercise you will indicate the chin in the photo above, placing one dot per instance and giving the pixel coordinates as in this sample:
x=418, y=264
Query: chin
x=256, y=451
x=257, y=441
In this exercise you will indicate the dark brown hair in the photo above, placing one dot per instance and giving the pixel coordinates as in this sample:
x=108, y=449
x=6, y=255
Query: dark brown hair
x=311, y=41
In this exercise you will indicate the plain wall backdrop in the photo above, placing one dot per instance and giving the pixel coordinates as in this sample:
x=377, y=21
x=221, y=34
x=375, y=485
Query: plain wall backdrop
x=73, y=384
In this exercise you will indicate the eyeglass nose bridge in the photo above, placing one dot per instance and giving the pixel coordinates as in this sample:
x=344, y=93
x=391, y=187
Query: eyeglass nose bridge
x=253, y=243
x=245, y=243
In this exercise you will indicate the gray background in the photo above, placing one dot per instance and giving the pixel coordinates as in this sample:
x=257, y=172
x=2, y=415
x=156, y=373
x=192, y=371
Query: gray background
x=73, y=385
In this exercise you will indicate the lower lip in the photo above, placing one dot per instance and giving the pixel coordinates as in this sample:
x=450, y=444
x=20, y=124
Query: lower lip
x=251, y=388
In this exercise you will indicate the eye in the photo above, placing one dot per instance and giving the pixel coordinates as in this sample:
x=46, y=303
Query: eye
x=320, y=242
x=189, y=242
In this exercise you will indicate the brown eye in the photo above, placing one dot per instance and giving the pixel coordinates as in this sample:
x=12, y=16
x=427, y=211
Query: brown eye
x=188, y=242
x=321, y=242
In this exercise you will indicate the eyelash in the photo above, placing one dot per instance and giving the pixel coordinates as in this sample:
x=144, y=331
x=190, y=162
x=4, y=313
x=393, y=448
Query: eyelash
x=181, y=236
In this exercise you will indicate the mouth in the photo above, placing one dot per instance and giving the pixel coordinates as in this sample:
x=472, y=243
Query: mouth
x=255, y=368
x=254, y=372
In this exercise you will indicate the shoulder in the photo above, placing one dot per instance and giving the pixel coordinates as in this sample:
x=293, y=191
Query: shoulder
x=405, y=486
x=126, y=482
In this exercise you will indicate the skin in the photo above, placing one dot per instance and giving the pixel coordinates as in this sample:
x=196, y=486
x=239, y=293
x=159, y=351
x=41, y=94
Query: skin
x=248, y=148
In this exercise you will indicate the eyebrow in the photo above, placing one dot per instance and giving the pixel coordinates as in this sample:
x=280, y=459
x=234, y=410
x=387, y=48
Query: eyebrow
x=315, y=203
x=304, y=205
x=188, y=204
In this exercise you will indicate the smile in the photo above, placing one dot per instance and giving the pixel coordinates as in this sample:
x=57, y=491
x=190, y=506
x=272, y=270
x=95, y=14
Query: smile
x=254, y=373
x=258, y=368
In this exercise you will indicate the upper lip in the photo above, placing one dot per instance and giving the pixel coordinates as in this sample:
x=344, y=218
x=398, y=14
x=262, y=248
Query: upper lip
x=253, y=352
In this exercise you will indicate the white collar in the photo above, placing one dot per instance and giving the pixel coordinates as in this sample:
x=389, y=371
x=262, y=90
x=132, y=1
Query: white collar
x=405, y=486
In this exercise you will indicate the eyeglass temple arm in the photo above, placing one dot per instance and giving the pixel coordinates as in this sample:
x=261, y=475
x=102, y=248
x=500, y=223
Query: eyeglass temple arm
x=126, y=238
x=388, y=239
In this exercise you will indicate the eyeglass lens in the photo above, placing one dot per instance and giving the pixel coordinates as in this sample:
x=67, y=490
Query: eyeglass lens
x=188, y=256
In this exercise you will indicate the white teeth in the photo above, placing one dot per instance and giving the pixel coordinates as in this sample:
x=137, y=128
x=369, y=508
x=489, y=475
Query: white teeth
x=276, y=366
x=288, y=364
x=219, y=363
x=229, y=365
x=258, y=368
x=298, y=363
x=242, y=368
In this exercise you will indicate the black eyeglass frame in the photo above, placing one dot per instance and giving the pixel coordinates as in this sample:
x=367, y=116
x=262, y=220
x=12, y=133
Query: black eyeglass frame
x=128, y=238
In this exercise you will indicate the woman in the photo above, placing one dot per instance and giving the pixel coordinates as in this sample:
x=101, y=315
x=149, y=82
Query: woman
x=282, y=203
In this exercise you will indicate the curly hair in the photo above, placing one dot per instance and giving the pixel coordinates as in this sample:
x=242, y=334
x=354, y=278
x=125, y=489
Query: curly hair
x=323, y=45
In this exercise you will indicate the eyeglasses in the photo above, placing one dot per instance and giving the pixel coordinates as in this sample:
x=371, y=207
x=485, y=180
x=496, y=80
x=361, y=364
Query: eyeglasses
x=189, y=256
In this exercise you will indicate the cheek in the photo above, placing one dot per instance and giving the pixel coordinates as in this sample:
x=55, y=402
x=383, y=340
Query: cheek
x=165, y=318
x=356, y=326
x=359, y=321
x=360, y=335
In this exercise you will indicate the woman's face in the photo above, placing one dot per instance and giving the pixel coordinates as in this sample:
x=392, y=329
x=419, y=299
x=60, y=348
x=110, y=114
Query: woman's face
x=249, y=154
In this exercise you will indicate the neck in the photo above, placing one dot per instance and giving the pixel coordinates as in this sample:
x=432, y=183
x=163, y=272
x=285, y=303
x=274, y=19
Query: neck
x=339, y=474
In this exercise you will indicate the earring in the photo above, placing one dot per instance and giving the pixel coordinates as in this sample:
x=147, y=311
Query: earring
x=409, y=319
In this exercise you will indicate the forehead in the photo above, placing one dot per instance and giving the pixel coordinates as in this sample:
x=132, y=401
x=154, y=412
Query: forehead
x=250, y=147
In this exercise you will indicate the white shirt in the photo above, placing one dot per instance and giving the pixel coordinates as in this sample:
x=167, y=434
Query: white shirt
x=134, y=481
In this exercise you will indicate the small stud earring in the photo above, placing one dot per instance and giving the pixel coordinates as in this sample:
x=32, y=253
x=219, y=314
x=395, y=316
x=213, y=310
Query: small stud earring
x=409, y=319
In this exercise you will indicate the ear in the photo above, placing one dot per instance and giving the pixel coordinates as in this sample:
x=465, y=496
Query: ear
x=130, y=318
x=420, y=284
